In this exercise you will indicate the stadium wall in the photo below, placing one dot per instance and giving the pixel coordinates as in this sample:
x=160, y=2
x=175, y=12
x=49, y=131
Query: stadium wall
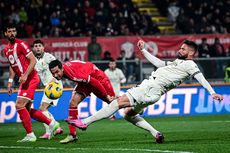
x=184, y=100
x=161, y=46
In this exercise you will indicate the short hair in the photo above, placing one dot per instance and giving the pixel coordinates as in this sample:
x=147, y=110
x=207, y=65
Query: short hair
x=38, y=41
x=112, y=60
x=55, y=63
x=191, y=44
x=8, y=26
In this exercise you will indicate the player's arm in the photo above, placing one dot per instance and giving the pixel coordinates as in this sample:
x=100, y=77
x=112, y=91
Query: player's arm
x=152, y=59
x=10, y=81
x=32, y=63
x=122, y=77
x=201, y=79
x=50, y=57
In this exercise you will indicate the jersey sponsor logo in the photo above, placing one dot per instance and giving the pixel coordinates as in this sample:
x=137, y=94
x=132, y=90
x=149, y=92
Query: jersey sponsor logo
x=24, y=94
x=10, y=50
x=11, y=59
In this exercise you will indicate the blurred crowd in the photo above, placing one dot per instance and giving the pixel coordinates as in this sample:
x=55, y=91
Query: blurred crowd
x=197, y=16
x=67, y=18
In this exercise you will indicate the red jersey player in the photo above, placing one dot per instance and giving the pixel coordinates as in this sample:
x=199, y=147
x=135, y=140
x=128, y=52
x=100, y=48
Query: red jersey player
x=22, y=62
x=89, y=79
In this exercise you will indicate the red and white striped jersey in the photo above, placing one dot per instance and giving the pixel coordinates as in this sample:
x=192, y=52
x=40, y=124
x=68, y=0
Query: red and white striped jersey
x=16, y=54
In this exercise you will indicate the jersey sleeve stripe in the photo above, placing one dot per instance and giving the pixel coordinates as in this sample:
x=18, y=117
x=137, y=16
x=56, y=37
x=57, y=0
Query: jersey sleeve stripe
x=28, y=54
x=166, y=63
x=17, y=59
x=195, y=73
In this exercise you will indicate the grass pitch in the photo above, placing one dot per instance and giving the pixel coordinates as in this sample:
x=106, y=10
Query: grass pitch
x=201, y=134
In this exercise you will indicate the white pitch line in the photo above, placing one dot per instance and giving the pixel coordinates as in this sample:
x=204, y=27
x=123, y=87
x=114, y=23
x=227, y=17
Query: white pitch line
x=104, y=149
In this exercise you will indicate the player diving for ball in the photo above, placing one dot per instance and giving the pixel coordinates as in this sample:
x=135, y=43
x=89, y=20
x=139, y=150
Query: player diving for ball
x=89, y=79
x=168, y=76
x=42, y=67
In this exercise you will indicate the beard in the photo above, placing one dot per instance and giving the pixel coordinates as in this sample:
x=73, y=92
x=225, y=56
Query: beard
x=183, y=57
x=12, y=39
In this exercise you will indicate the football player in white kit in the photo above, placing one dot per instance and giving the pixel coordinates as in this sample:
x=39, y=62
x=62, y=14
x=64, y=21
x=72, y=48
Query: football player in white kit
x=116, y=76
x=42, y=67
x=168, y=75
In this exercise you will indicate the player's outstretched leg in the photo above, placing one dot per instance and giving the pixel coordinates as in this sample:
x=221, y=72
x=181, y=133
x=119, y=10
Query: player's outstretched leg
x=134, y=118
x=46, y=134
x=53, y=126
x=105, y=112
x=143, y=124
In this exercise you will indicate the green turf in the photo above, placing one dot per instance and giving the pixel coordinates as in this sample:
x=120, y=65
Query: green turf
x=202, y=134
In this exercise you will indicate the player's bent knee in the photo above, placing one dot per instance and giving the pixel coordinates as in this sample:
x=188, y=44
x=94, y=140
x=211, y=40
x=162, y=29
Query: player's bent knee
x=129, y=118
x=123, y=101
x=73, y=103
x=41, y=108
x=44, y=107
x=20, y=104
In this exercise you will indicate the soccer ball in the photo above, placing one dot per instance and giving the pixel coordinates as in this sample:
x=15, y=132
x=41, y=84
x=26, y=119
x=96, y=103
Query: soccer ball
x=53, y=90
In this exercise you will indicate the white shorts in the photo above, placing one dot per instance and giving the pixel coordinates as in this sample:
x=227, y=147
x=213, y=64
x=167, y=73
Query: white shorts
x=147, y=93
x=51, y=102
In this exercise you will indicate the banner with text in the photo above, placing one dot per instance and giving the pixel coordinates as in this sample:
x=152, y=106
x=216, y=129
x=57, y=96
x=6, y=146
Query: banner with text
x=161, y=46
x=189, y=100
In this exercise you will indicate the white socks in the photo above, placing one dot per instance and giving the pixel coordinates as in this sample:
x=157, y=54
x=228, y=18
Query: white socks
x=141, y=123
x=105, y=112
x=50, y=116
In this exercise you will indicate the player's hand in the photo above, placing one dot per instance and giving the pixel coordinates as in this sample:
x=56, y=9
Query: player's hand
x=110, y=98
x=9, y=88
x=217, y=97
x=23, y=78
x=141, y=44
x=54, y=80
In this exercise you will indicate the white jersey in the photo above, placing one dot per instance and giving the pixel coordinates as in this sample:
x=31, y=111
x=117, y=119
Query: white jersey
x=176, y=72
x=116, y=77
x=168, y=75
x=42, y=67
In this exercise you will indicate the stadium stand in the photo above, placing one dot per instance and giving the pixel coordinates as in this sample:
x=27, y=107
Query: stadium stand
x=49, y=18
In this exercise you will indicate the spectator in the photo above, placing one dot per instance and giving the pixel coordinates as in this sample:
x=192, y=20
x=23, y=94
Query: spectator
x=217, y=49
x=204, y=48
x=122, y=62
x=94, y=50
x=107, y=56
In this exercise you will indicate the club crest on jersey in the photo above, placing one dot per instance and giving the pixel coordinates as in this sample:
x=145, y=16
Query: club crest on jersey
x=24, y=94
x=11, y=59
x=10, y=50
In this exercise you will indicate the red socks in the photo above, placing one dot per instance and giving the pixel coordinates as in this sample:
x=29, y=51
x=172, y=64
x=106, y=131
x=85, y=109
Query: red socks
x=25, y=117
x=73, y=114
x=39, y=116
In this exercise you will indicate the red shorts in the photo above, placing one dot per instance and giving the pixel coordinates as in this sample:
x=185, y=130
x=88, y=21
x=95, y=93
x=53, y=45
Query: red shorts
x=27, y=89
x=86, y=89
